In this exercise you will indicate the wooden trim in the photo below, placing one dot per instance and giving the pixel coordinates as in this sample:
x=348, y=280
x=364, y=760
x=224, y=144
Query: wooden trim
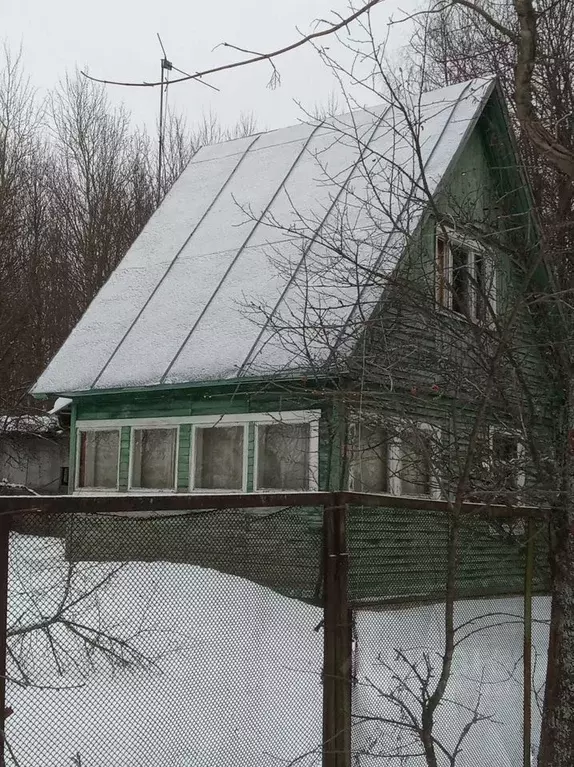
x=130, y=502
x=288, y=416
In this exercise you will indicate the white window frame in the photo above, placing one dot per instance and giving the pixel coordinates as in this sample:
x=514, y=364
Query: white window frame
x=152, y=490
x=229, y=419
x=354, y=435
x=520, y=452
x=219, y=422
x=491, y=276
x=83, y=428
x=395, y=462
x=289, y=417
x=394, y=427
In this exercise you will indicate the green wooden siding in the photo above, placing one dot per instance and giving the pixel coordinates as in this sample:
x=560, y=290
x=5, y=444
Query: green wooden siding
x=124, y=469
x=184, y=457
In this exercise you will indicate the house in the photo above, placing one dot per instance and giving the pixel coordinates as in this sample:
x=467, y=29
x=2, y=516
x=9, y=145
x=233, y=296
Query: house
x=34, y=450
x=227, y=351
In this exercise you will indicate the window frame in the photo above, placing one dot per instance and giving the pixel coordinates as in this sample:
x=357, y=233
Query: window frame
x=176, y=422
x=443, y=264
x=354, y=437
x=394, y=479
x=290, y=417
x=395, y=461
x=221, y=422
x=84, y=429
x=520, y=455
x=152, y=490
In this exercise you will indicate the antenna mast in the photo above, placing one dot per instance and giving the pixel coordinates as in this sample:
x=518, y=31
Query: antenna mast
x=166, y=67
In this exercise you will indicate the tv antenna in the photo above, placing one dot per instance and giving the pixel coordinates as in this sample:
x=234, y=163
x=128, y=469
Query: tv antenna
x=166, y=67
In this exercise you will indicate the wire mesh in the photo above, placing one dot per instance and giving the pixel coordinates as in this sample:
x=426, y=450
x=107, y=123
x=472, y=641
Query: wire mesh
x=196, y=639
x=439, y=667
x=171, y=641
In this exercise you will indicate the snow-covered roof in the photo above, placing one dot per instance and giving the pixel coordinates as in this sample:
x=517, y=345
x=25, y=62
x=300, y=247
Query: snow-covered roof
x=213, y=286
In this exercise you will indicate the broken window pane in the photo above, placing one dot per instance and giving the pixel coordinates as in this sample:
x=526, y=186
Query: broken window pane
x=415, y=469
x=219, y=458
x=99, y=459
x=283, y=456
x=153, y=459
x=370, y=465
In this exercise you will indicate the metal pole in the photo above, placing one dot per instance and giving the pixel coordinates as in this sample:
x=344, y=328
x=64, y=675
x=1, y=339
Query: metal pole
x=527, y=651
x=160, y=147
x=337, y=659
x=4, y=562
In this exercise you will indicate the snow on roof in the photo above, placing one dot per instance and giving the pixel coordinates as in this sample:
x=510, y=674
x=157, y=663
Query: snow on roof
x=60, y=404
x=239, y=256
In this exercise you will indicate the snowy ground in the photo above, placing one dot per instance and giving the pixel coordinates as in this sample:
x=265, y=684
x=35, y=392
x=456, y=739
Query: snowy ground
x=238, y=680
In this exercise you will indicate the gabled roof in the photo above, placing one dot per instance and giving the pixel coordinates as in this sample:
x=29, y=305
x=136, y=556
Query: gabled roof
x=212, y=289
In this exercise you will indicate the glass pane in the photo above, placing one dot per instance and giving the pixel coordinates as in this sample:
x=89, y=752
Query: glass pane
x=371, y=462
x=283, y=456
x=481, y=287
x=415, y=472
x=99, y=459
x=505, y=455
x=460, y=279
x=153, y=461
x=219, y=458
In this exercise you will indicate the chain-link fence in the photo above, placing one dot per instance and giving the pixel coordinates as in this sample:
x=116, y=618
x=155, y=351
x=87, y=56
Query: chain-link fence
x=337, y=633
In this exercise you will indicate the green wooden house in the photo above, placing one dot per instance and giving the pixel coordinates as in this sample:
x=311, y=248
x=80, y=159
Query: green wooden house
x=279, y=324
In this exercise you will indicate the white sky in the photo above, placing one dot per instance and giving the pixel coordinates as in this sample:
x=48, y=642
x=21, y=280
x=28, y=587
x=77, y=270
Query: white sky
x=116, y=39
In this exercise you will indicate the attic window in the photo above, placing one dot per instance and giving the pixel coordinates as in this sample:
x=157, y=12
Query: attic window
x=283, y=451
x=219, y=460
x=153, y=459
x=98, y=458
x=465, y=280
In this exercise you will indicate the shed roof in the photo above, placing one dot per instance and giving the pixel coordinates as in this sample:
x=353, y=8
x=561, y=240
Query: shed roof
x=212, y=288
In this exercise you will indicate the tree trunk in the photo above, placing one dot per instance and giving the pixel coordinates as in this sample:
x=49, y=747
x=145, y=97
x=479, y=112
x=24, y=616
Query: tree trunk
x=557, y=737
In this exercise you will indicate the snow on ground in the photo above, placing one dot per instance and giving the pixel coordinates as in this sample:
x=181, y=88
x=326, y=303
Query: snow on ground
x=237, y=678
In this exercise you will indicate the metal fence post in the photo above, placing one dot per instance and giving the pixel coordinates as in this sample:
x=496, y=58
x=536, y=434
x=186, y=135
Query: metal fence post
x=527, y=650
x=4, y=562
x=337, y=658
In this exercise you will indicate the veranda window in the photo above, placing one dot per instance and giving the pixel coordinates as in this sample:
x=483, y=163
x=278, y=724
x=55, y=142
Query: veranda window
x=370, y=460
x=153, y=459
x=414, y=469
x=98, y=458
x=507, y=461
x=219, y=458
x=283, y=456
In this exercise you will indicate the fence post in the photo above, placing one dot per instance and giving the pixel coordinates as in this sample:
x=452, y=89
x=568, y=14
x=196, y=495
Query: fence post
x=527, y=650
x=4, y=561
x=337, y=648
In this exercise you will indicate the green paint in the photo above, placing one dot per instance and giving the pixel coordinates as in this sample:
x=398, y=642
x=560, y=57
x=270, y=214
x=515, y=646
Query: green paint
x=125, y=439
x=184, y=457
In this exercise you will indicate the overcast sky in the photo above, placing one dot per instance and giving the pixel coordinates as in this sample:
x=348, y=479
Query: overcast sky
x=117, y=39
